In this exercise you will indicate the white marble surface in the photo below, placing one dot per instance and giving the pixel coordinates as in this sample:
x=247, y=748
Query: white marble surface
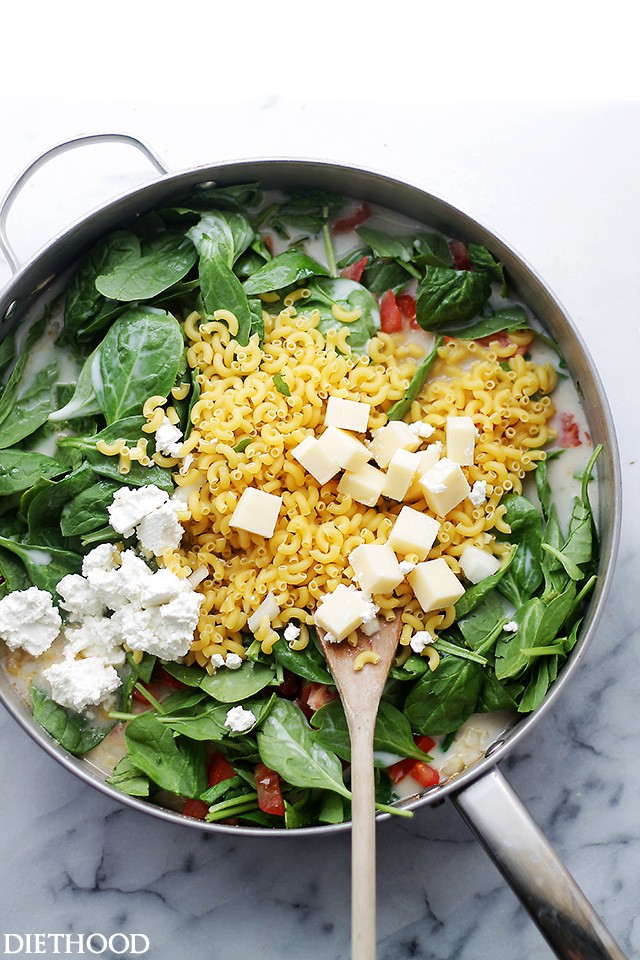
x=561, y=184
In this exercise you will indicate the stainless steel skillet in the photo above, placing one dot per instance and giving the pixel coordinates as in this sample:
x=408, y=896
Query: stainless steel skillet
x=480, y=793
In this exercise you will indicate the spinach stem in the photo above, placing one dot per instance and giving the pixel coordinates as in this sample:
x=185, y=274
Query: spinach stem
x=328, y=243
x=461, y=652
x=148, y=696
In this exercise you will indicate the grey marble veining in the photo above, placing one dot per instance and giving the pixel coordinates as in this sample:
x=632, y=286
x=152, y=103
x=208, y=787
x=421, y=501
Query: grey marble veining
x=74, y=861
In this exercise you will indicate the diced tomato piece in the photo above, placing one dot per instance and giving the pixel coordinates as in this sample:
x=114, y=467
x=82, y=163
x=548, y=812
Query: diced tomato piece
x=140, y=697
x=355, y=270
x=424, y=774
x=219, y=769
x=407, y=306
x=460, y=255
x=398, y=771
x=390, y=316
x=267, y=239
x=164, y=677
x=426, y=744
x=313, y=696
x=197, y=809
x=269, y=792
x=352, y=220
x=569, y=432
x=289, y=686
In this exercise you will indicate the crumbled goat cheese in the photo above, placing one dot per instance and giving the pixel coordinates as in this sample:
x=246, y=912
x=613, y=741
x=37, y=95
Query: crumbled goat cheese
x=217, y=660
x=166, y=630
x=369, y=627
x=478, y=493
x=169, y=439
x=130, y=506
x=106, y=556
x=77, y=684
x=79, y=598
x=162, y=587
x=406, y=567
x=233, y=661
x=29, y=620
x=96, y=637
x=291, y=633
x=422, y=429
x=510, y=627
x=370, y=612
x=437, y=487
x=160, y=530
x=238, y=719
x=420, y=640
x=117, y=588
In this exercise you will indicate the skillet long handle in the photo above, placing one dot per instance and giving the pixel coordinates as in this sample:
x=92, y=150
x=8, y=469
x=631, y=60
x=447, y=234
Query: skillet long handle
x=530, y=865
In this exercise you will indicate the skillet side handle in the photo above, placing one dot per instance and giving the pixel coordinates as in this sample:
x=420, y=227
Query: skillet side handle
x=532, y=868
x=60, y=148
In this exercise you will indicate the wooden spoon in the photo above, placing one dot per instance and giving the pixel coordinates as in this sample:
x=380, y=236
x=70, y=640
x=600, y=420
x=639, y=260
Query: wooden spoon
x=360, y=691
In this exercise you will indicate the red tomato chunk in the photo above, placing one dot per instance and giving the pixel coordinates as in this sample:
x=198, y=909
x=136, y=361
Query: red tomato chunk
x=219, y=769
x=352, y=220
x=269, y=792
x=197, y=809
x=390, y=316
x=569, y=432
x=355, y=270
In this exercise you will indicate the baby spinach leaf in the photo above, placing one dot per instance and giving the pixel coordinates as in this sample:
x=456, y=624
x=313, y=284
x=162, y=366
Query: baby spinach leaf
x=494, y=695
x=431, y=249
x=13, y=575
x=221, y=290
x=401, y=408
x=305, y=212
x=281, y=385
x=482, y=259
x=20, y=469
x=504, y=321
x=31, y=407
x=232, y=686
x=287, y=268
x=537, y=687
x=138, y=359
x=190, y=676
x=392, y=732
x=129, y=429
x=478, y=625
x=207, y=721
x=46, y=566
x=12, y=387
x=386, y=244
x=510, y=661
x=72, y=730
x=287, y=745
x=450, y=296
x=524, y=575
x=224, y=198
x=257, y=320
x=441, y=701
x=308, y=663
x=45, y=507
x=84, y=402
x=87, y=512
x=222, y=236
x=84, y=300
x=139, y=274
x=382, y=275
x=175, y=765
x=129, y=779
x=347, y=295
x=7, y=351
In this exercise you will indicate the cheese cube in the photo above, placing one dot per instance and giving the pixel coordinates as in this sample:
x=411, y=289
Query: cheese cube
x=268, y=608
x=347, y=414
x=444, y=486
x=461, y=438
x=364, y=485
x=347, y=451
x=376, y=567
x=413, y=532
x=426, y=459
x=435, y=585
x=342, y=611
x=315, y=459
x=400, y=472
x=396, y=435
x=477, y=564
x=256, y=512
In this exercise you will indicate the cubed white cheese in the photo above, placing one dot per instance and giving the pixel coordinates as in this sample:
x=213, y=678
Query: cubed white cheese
x=130, y=506
x=29, y=620
x=168, y=438
x=257, y=512
x=160, y=530
x=461, y=438
x=97, y=637
x=77, y=684
x=478, y=493
x=444, y=486
x=419, y=640
x=364, y=485
x=347, y=414
x=435, y=585
x=375, y=567
x=344, y=610
x=426, y=459
x=315, y=459
x=268, y=608
x=347, y=451
x=396, y=435
x=400, y=472
x=106, y=556
x=406, y=567
x=413, y=532
x=238, y=719
x=79, y=598
x=478, y=564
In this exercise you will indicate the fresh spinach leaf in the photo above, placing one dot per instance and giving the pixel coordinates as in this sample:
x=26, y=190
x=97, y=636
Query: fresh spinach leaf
x=221, y=290
x=46, y=566
x=292, y=266
x=146, y=271
x=281, y=385
x=84, y=402
x=31, y=408
x=431, y=249
x=450, y=296
x=83, y=299
x=327, y=293
x=47, y=505
x=12, y=387
x=129, y=779
x=482, y=259
x=401, y=408
x=494, y=695
x=232, y=686
x=441, y=701
x=308, y=663
x=87, y=511
x=21, y=469
x=503, y=321
x=306, y=212
x=13, y=575
x=386, y=244
x=510, y=661
x=477, y=593
x=382, y=275
x=392, y=732
x=7, y=351
x=173, y=764
x=222, y=236
x=524, y=575
x=72, y=730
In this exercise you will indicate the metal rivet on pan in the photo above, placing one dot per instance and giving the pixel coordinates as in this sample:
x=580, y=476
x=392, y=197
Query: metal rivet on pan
x=493, y=747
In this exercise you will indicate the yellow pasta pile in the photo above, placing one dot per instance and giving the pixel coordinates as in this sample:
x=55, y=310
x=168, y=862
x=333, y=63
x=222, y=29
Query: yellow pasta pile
x=243, y=432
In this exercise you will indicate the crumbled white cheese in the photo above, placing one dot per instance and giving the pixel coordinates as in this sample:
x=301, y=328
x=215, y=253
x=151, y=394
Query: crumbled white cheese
x=166, y=630
x=161, y=587
x=420, y=640
x=406, y=567
x=29, y=620
x=437, y=487
x=422, y=429
x=77, y=684
x=478, y=493
x=105, y=556
x=510, y=627
x=291, y=633
x=238, y=719
x=268, y=608
x=79, y=598
x=97, y=637
x=130, y=506
x=160, y=530
x=169, y=438
x=369, y=627
x=233, y=661
x=217, y=660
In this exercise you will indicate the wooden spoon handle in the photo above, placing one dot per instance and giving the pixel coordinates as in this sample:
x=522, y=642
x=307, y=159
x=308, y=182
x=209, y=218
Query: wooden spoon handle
x=363, y=840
